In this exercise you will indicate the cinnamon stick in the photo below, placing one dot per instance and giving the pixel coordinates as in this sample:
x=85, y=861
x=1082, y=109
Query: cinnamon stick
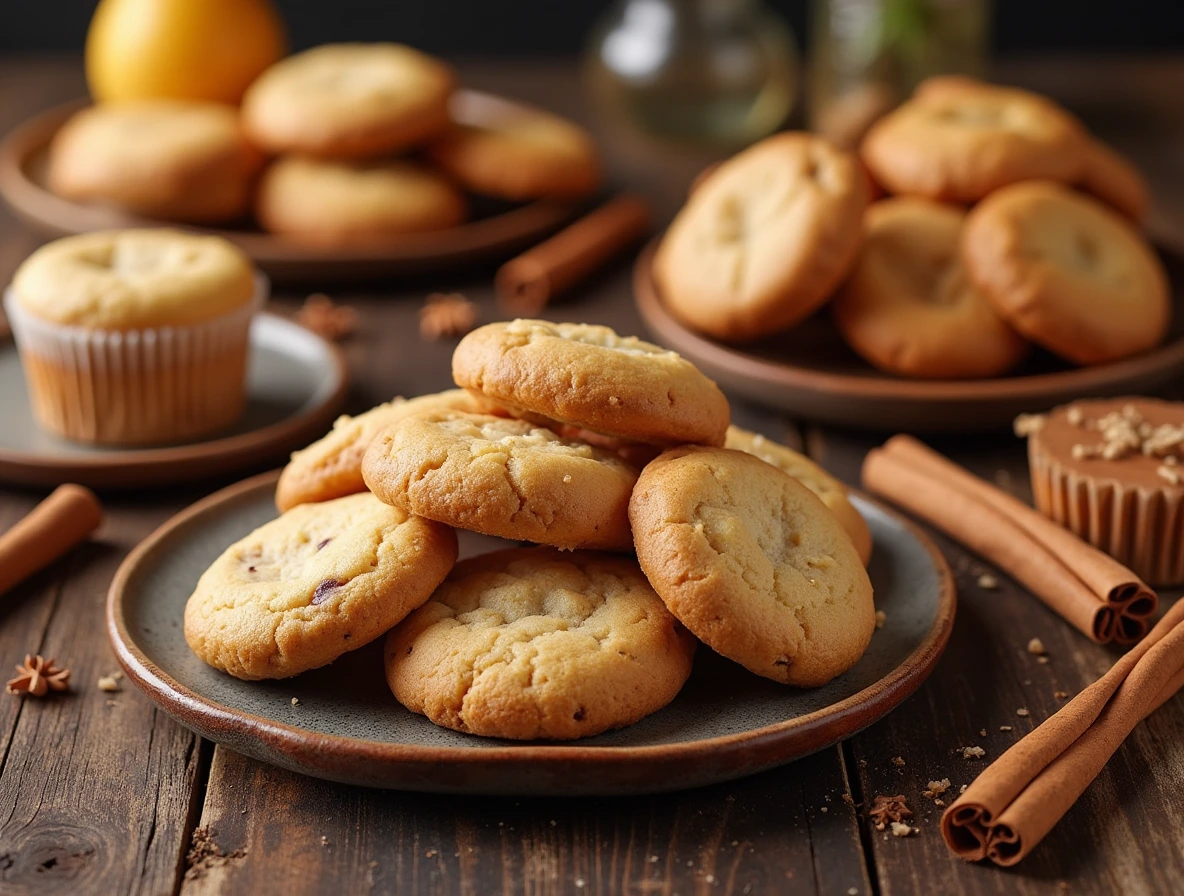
x=1092, y=591
x=54, y=526
x=527, y=283
x=1018, y=799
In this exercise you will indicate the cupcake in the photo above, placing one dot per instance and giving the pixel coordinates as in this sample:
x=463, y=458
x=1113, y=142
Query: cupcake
x=1112, y=472
x=135, y=337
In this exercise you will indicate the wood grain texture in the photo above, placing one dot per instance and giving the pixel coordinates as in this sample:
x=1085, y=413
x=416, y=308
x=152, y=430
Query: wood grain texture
x=103, y=799
x=782, y=831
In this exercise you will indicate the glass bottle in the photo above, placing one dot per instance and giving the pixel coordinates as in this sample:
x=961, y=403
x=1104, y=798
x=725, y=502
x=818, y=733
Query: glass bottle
x=868, y=55
x=721, y=72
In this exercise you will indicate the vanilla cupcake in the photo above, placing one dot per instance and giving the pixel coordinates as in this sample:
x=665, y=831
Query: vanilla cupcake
x=135, y=337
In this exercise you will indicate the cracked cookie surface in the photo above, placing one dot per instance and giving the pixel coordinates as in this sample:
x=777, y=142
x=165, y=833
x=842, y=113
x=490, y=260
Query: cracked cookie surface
x=331, y=467
x=533, y=643
x=753, y=563
x=1067, y=272
x=765, y=238
x=957, y=139
x=321, y=580
x=503, y=477
x=830, y=490
x=589, y=377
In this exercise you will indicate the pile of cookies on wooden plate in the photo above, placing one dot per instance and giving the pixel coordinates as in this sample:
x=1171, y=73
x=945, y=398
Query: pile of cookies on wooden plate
x=656, y=525
x=1007, y=225
x=362, y=144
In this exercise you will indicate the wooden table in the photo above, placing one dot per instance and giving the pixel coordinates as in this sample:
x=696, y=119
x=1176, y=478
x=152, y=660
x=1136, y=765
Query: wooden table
x=102, y=793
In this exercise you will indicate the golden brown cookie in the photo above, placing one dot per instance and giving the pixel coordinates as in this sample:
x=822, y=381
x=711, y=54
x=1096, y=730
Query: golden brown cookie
x=832, y=492
x=331, y=467
x=508, y=478
x=909, y=308
x=1067, y=272
x=588, y=376
x=765, y=239
x=753, y=563
x=327, y=203
x=177, y=161
x=520, y=154
x=958, y=139
x=348, y=101
x=1112, y=178
x=321, y=580
x=538, y=644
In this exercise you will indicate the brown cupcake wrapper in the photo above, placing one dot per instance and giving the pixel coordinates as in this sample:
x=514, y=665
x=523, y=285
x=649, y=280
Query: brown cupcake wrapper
x=136, y=387
x=1142, y=528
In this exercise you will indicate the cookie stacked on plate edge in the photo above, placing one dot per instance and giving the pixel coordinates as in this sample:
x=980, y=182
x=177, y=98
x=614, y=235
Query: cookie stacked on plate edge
x=655, y=525
x=1007, y=225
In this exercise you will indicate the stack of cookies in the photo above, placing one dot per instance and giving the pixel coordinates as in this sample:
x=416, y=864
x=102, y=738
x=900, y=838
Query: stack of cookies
x=1007, y=226
x=362, y=144
x=654, y=524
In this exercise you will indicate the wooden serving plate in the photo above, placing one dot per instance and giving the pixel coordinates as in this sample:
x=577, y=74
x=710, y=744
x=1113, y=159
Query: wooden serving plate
x=810, y=372
x=502, y=229
x=348, y=727
x=296, y=384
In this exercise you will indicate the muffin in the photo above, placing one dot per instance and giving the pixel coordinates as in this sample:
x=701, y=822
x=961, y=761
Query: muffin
x=135, y=337
x=1112, y=472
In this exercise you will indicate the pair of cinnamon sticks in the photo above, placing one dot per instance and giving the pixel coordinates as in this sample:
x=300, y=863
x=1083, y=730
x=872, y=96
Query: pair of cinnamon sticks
x=1018, y=799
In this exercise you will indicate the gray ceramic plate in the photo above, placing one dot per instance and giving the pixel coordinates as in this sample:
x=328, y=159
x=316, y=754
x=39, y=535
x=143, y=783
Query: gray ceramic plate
x=726, y=723
x=296, y=384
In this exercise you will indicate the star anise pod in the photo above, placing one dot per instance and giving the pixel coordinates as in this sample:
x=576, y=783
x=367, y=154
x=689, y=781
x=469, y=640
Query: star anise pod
x=38, y=676
x=326, y=318
x=887, y=809
x=446, y=316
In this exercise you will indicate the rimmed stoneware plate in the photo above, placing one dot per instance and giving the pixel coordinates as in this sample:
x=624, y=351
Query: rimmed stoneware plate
x=810, y=372
x=296, y=384
x=726, y=723
x=497, y=230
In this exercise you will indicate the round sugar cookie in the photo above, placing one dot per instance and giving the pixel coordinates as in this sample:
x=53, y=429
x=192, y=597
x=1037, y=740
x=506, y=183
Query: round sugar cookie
x=539, y=644
x=321, y=580
x=753, y=563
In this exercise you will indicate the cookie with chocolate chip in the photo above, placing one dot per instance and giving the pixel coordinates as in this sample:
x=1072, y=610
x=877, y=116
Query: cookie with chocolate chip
x=321, y=580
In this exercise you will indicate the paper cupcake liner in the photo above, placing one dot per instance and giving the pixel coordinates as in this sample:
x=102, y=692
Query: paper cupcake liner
x=1142, y=528
x=135, y=387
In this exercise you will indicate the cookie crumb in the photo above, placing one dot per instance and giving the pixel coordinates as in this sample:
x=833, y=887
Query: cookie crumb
x=1022, y=713
x=900, y=829
x=295, y=701
x=324, y=840
x=710, y=878
x=204, y=854
x=823, y=810
x=940, y=803
x=936, y=788
x=1004, y=727
x=1061, y=695
x=973, y=752
x=988, y=582
x=1036, y=647
x=898, y=761
x=1028, y=424
x=109, y=683
x=852, y=891
x=430, y=853
x=848, y=799
x=881, y=618
x=1075, y=415
x=446, y=316
x=962, y=789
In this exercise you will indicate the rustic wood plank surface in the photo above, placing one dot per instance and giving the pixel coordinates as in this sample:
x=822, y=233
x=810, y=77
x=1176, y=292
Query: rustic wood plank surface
x=100, y=793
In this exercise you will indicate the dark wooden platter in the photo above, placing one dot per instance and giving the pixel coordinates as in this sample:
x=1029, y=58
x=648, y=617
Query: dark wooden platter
x=809, y=371
x=496, y=232
x=347, y=727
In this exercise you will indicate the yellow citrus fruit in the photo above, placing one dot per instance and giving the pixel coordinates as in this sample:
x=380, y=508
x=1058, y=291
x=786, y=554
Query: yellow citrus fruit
x=180, y=49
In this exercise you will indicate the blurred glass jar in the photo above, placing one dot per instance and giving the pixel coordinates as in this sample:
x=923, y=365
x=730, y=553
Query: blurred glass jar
x=721, y=72
x=868, y=55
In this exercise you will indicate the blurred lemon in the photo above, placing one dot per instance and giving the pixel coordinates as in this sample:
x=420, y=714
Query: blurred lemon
x=180, y=49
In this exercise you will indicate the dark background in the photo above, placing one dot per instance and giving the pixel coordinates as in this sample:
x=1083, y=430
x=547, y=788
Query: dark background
x=558, y=27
